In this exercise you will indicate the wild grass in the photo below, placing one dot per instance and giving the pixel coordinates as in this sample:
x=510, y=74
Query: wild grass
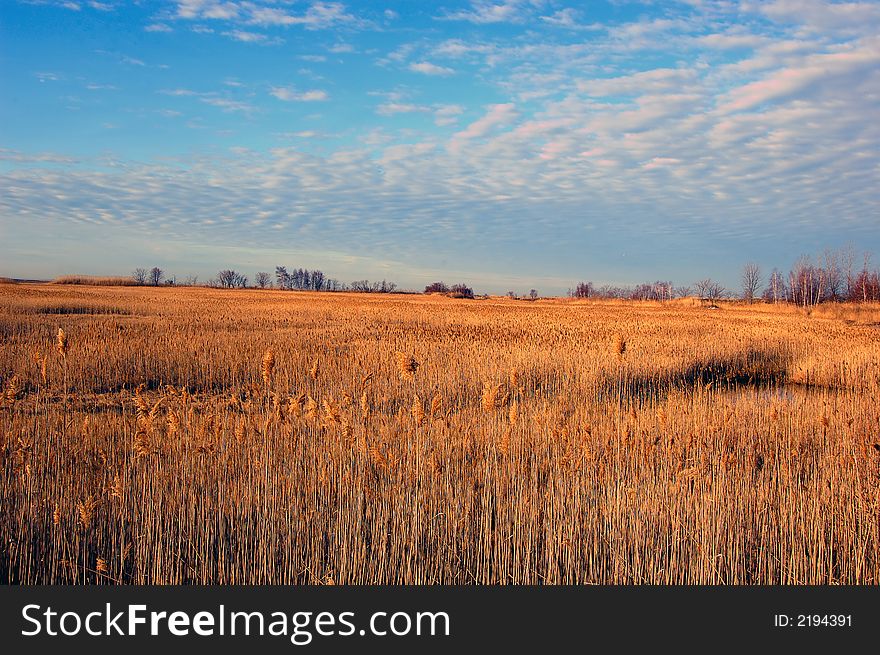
x=95, y=281
x=268, y=437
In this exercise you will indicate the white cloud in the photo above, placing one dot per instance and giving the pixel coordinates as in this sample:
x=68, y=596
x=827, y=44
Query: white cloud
x=639, y=83
x=484, y=11
x=288, y=94
x=228, y=105
x=213, y=99
x=496, y=116
x=251, y=37
x=318, y=16
x=819, y=15
x=447, y=114
x=215, y=9
x=721, y=41
x=845, y=67
x=428, y=68
x=392, y=108
x=567, y=18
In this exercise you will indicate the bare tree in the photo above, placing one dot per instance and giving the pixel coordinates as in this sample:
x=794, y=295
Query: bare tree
x=709, y=289
x=533, y=294
x=864, y=283
x=663, y=290
x=231, y=280
x=156, y=275
x=264, y=280
x=847, y=264
x=833, y=275
x=283, y=277
x=751, y=281
x=582, y=290
x=806, y=282
x=139, y=276
x=775, y=290
x=436, y=287
x=461, y=290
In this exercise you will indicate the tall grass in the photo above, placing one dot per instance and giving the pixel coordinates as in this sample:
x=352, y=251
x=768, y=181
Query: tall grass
x=280, y=438
x=96, y=281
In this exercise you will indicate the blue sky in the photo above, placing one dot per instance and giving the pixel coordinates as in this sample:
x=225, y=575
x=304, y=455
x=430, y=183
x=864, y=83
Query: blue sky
x=510, y=144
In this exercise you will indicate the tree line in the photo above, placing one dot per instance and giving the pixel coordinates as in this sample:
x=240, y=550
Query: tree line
x=659, y=290
x=460, y=290
x=833, y=276
x=299, y=279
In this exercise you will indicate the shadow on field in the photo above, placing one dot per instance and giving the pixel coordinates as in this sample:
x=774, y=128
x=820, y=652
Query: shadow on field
x=750, y=368
x=74, y=310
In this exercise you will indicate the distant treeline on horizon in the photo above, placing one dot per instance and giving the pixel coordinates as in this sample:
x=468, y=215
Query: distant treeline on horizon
x=833, y=276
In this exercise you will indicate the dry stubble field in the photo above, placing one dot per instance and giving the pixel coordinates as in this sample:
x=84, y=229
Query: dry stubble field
x=206, y=436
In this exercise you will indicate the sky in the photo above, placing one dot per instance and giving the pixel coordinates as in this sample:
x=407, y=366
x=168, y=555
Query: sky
x=508, y=144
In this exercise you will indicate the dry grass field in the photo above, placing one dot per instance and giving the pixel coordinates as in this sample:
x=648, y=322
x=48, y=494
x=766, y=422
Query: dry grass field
x=205, y=436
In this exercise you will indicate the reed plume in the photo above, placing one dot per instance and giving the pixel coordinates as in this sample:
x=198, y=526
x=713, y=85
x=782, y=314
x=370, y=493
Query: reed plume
x=365, y=405
x=311, y=408
x=436, y=406
x=494, y=396
x=417, y=411
x=268, y=367
x=513, y=413
x=13, y=389
x=86, y=510
x=61, y=343
x=407, y=365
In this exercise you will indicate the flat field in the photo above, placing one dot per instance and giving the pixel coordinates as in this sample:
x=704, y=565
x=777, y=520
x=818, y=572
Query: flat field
x=188, y=435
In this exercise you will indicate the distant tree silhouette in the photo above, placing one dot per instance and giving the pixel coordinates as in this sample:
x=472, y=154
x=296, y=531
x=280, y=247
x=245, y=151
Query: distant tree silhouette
x=365, y=286
x=282, y=277
x=582, y=290
x=461, y=290
x=776, y=290
x=751, y=281
x=710, y=289
x=436, y=287
x=229, y=279
x=833, y=275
